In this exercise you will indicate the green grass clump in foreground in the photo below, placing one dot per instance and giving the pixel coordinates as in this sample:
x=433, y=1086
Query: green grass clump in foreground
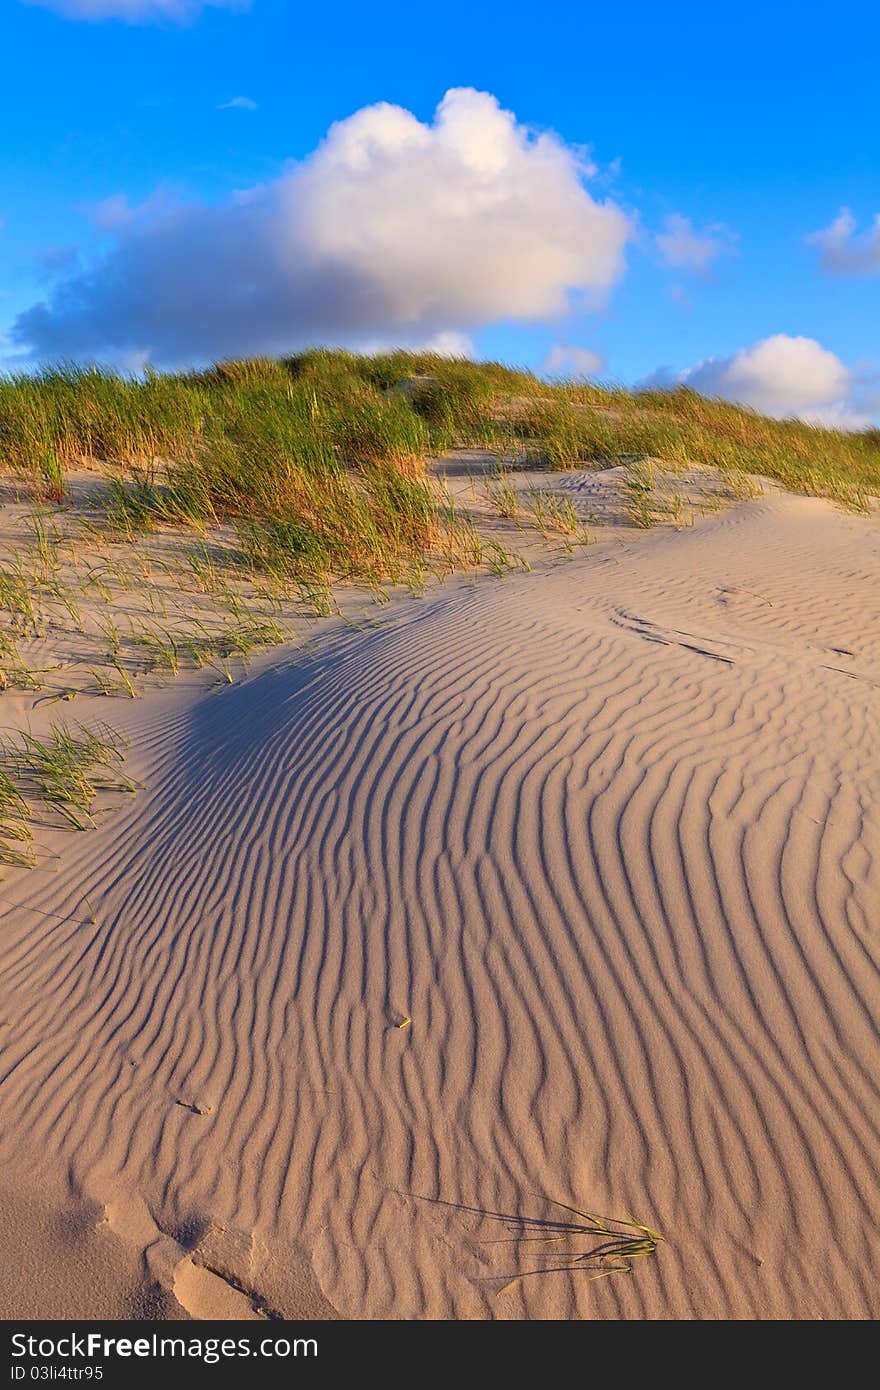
x=65, y=771
x=319, y=458
x=63, y=775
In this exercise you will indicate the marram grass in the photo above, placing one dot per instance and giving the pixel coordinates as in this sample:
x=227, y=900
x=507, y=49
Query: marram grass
x=56, y=779
x=329, y=447
x=597, y=1246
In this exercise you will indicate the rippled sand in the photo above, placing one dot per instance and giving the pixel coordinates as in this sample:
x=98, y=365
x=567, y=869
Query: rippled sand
x=607, y=833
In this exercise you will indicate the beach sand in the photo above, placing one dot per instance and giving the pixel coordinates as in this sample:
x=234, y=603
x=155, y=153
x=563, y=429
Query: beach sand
x=606, y=833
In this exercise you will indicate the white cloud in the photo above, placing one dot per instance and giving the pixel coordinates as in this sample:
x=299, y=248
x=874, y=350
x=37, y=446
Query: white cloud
x=684, y=248
x=238, y=104
x=781, y=376
x=843, y=250
x=448, y=344
x=392, y=229
x=575, y=362
x=445, y=344
x=855, y=414
x=135, y=11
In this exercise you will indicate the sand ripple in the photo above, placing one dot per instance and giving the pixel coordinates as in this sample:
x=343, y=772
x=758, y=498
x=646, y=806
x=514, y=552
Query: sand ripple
x=607, y=834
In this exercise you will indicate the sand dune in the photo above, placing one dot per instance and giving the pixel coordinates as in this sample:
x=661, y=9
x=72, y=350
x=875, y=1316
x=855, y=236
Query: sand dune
x=607, y=833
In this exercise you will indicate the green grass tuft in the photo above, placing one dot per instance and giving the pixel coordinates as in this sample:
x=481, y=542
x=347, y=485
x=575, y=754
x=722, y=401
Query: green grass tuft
x=65, y=771
x=612, y=1243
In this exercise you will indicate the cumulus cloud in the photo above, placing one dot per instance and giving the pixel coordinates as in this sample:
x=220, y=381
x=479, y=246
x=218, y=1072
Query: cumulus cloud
x=781, y=376
x=564, y=360
x=136, y=11
x=845, y=251
x=684, y=248
x=392, y=229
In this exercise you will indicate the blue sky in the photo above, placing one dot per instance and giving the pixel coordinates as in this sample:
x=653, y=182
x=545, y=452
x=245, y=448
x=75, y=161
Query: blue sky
x=722, y=136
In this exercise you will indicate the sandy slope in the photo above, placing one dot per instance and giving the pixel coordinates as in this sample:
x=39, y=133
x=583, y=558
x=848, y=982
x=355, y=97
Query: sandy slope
x=607, y=832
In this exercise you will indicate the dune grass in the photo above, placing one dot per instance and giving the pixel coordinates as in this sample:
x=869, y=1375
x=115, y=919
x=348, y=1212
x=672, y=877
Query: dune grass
x=16, y=834
x=319, y=458
x=619, y=1240
x=604, y=1245
x=641, y=502
x=60, y=777
x=316, y=467
x=66, y=770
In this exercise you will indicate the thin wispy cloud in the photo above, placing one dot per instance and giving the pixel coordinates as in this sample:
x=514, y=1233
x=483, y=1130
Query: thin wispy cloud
x=238, y=104
x=843, y=250
x=573, y=363
x=57, y=260
x=392, y=230
x=681, y=295
x=136, y=11
x=685, y=248
x=782, y=376
x=114, y=213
